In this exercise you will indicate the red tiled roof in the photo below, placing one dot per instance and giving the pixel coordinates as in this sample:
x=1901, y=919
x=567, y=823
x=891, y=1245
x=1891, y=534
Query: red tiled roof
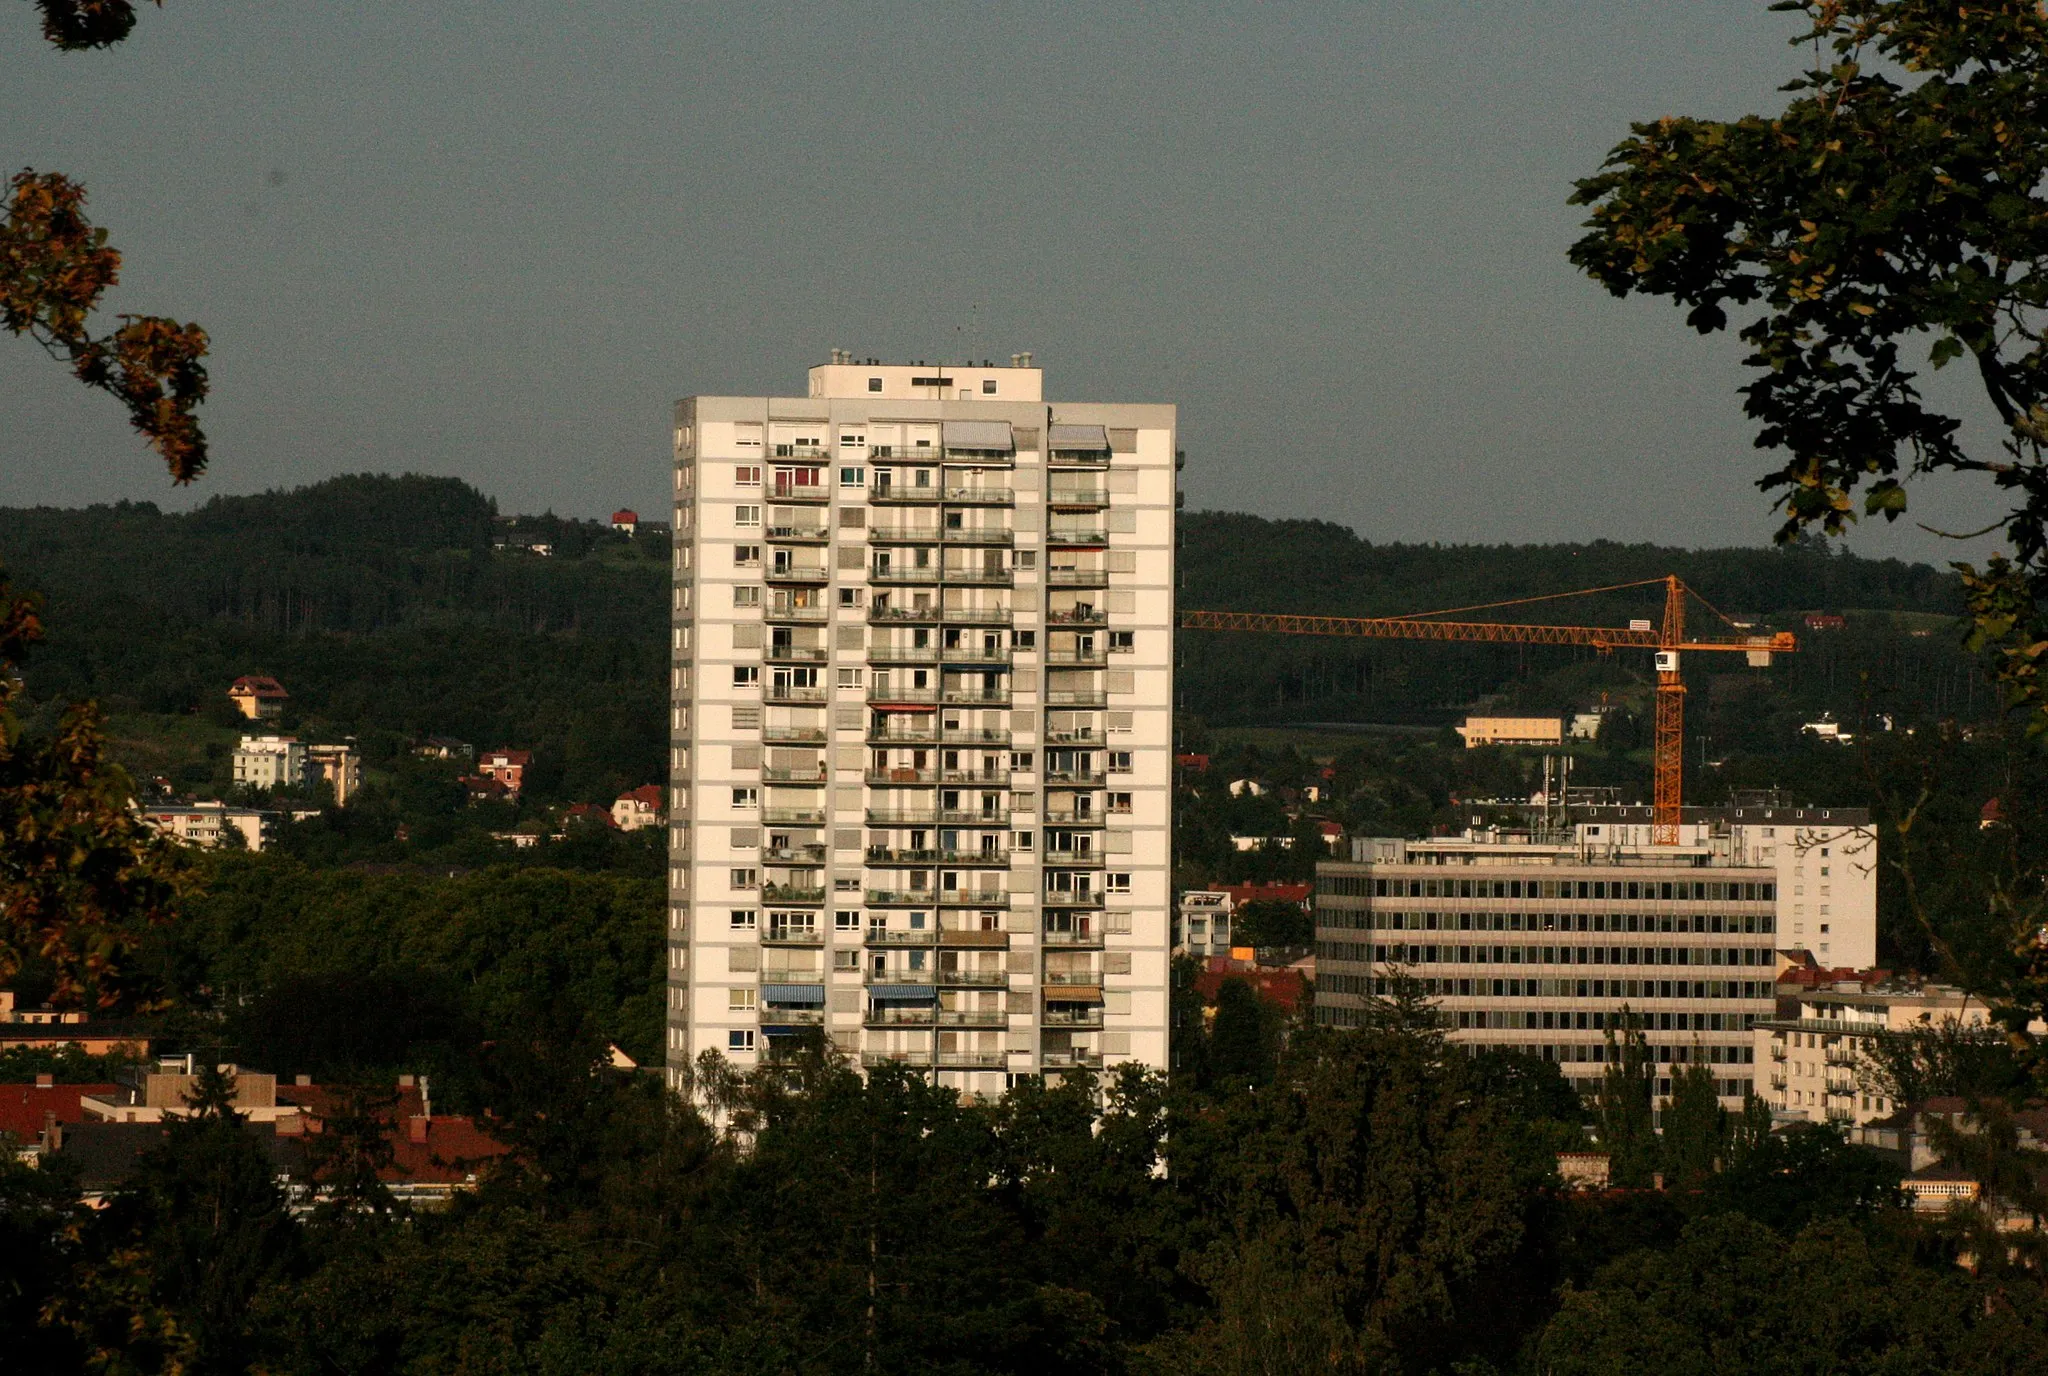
x=1241, y=894
x=22, y=1106
x=259, y=685
x=625, y=516
x=650, y=794
x=589, y=812
x=501, y=757
x=443, y=1150
x=1277, y=985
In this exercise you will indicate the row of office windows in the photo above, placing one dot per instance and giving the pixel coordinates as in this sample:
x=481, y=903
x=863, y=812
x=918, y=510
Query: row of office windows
x=1573, y=988
x=1679, y=890
x=1367, y=919
x=1545, y=955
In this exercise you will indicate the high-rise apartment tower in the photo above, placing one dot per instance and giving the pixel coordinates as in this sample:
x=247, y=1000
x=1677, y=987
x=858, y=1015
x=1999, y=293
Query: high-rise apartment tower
x=921, y=723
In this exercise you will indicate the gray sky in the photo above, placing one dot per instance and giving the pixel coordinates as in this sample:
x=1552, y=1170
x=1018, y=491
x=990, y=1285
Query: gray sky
x=498, y=239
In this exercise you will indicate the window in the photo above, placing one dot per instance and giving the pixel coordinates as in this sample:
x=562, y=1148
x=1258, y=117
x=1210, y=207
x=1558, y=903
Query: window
x=1122, y=640
x=743, y=919
x=1119, y=802
x=874, y=384
x=1026, y=558
x=844, y=885
x=747, y=475
x=849, y=678
x=1024, y=640
x=1021, y=840
x=740, y=1039
x=988, y=386
x=745, y=556
x=853, y=477
x=747, y=434
x=746, y=675
x=846, y=920
x=741, y=1000
x=746, y=597
x=746, y=879
x=1119, y=761
x=746, y=516
x=746, y=797
x=1118, y=883
x=1020, y=761
x=846, y=960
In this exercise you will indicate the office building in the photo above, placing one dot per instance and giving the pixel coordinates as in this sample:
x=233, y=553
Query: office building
x=1540, y=939
x=921, y=723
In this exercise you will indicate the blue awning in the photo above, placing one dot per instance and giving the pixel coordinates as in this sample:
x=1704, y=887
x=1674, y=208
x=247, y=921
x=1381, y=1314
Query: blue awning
x=807, y=995
x=903, y=993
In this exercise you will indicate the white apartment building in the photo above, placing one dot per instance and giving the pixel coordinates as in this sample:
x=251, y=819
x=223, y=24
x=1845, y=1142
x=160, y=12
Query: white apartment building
x=921, y=723
x=1818, y=1053
x=207, y=824
x=1202, y=925
x=269, y=761
x=1541, y=940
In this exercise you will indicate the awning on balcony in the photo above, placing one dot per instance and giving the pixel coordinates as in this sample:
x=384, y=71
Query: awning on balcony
x=979, y=434
x=1077, y=437
x=795, y=995
x=903, y=993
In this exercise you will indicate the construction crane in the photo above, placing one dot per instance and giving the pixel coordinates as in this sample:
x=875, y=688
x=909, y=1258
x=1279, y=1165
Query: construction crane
x=1667, y=641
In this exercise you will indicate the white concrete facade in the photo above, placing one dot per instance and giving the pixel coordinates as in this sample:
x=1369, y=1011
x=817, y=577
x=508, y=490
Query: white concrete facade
x=921, y=724
x=1818, y=1059
x=269, y=762
x=1588, y=922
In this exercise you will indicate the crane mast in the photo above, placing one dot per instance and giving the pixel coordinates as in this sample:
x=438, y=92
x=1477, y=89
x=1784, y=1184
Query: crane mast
x=1668, y=642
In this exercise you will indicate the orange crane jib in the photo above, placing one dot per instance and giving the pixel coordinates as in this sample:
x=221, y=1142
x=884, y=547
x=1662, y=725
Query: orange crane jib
x=1668, y=640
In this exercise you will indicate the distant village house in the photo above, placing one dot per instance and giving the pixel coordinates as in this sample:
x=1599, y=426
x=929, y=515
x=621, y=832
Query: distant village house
x=258, y=696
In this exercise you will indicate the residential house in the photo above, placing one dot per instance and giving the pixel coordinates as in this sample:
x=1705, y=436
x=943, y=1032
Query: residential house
x=51, y=1028
x=337, y=766
x=209, y=824
x=269, y=762
x=258, y=696
x=443, y=748
x=508, y=767
x=1820, y=1049
x=625, y=519
x=29, y=1111
x=639, y=808
x=589, y=813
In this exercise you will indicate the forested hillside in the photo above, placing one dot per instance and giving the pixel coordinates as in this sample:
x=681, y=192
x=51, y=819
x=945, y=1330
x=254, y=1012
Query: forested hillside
x=382, y=605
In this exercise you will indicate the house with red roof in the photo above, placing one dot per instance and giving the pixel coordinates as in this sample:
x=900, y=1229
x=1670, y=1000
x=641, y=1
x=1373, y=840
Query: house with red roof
x=626, y=520
x=508, y=767
x=639, y=808
x=258, y=696
x=29, y=1111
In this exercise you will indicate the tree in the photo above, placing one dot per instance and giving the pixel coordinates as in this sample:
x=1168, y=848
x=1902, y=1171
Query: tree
x=1267, y=922
x=1898, y=196
x=1239, y=1053
x=1623, y=1122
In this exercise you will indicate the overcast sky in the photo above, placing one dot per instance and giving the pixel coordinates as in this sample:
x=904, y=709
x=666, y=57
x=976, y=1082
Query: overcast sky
x=499, y=239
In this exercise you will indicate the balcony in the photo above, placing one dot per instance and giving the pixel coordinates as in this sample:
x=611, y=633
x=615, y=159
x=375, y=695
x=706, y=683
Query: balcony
x=1071, y=1017
x=804, y=534
x=1080, y=936
x=804, y=894
x=882, y=615
x=956, y=817
x=793, y=735
x=897, y=735
x=973, y=1060
x=798, y=573
x=1077, y=578
x=806, y=1016
x=1094, y=616
x=896, y=936
x=794, y=936
x=893, y=533
x=1078, y=458
x=1071, y=1060
x=908, y=495
x=899, y=575
x=879, y=777
x=900, y=977
x=977, y=535
x=1089, y=659
x=1084, y=736
x=793, y=855
x=975, y=616
x=975, y=979
x=903, y=654
x=1078, y=496
x=915, y=1060
x=1060, y=817
x=790, y=611
x=797, y=654
x=975, y=1017
x=1069, y=536
x=902, y=816
x=1075, y=776
x=986, y=578
x=989, y=778
x=974, y=735
x=899, y=1015
x=974, y=494
x=1076, y=697
x=976, y=697
x=790, y=692
x=902, y=898
x=974, y=937
x=886, y=693
x=1073, y=898
x=974, y=898
x=802, y=451
x=983, y=859
x=793, y=816
x=1069, y=859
